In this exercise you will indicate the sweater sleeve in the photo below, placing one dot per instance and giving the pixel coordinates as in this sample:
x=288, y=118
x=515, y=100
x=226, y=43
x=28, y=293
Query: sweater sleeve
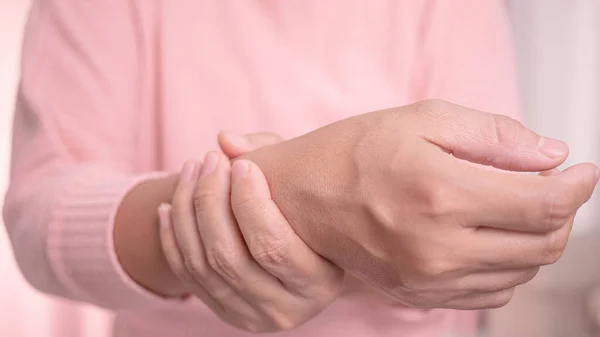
x=80, y=131
x=465, y=55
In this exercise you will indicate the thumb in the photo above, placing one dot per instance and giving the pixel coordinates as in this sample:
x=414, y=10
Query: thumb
x=491, y=139
x=585, y=177
x=235, y=144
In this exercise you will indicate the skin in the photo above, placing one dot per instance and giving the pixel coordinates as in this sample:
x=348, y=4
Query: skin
x=400, y=198
x=415, y=216
x=265, y=289
x=136, y=234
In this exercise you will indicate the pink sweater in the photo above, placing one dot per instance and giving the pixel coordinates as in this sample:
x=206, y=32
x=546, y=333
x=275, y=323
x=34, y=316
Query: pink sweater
x=114, y=90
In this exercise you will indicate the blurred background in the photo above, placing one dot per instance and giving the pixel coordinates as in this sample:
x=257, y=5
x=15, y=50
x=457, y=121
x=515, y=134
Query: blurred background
x=558, y=50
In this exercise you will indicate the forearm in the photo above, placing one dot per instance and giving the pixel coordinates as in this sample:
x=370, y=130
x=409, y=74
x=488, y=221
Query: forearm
x=136, y=227
x=299, y=175
x=136, y=233
x=315, y=180
x=136, y=237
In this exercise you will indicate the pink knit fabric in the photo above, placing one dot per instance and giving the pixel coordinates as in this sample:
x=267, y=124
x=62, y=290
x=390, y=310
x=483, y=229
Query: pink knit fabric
x=114, y=92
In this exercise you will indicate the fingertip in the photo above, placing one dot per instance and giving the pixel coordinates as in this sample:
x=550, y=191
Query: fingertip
x=222, y=136
x=226, y=146
x=239, y=170
x=211, y=162
x=164, y=215
x=234, y=142
x=249, y=179
x=164, y=207
x=189, y=171
x=586, y=171
x=553, y=148
x=584, y=176
x=257, y=175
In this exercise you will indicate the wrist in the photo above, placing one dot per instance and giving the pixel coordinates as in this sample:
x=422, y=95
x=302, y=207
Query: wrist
x=292, y=184
x=137, y=237
x=314, y=180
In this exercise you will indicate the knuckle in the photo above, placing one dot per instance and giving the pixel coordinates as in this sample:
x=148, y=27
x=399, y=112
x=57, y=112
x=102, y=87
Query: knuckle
x=434, y=111
x=204, y=198
x=225, y=261
x=194, y=265
x=433, y=108
x=270, y=250
x=249, y=205
x=555, y=211
x=440, y=203
x=501, y=299
x=284, y=323
x=253, y=327
x=555, y=246
x=436, y=200
x=432, y=269
x=427, y=271
x=522, y=278
x=507, y=130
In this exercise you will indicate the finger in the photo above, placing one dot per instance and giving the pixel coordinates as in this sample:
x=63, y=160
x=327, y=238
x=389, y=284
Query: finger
x=191, y=244
x=494, y=281
x=491, y=300
x=225, y=248
x=527, y=203
x=489, y=139
x=176, y=262
x=237, y=316
x=494, y=249
x=235, y=144
x=272, y=241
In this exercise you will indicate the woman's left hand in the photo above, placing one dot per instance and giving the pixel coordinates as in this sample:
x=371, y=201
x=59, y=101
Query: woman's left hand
x=228, y=242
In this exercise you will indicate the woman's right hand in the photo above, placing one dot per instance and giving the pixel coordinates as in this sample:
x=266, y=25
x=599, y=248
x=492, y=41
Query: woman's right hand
x=232, y=248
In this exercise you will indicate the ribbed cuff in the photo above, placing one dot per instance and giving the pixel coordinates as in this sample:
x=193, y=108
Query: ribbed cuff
x=80, y=241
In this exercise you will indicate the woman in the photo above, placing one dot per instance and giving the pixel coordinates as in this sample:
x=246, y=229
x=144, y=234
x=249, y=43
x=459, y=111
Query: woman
x=116, y=95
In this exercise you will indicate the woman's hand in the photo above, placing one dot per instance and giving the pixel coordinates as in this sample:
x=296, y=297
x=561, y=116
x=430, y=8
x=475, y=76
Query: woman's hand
x=394, y=197
x=229, y=244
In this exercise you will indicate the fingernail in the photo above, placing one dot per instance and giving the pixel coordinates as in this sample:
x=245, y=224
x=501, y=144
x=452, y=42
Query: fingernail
x=239, y=171
x=238, y=140
x=553, y=148
x=188, y=171
x=164, y=218
x=210, y=163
